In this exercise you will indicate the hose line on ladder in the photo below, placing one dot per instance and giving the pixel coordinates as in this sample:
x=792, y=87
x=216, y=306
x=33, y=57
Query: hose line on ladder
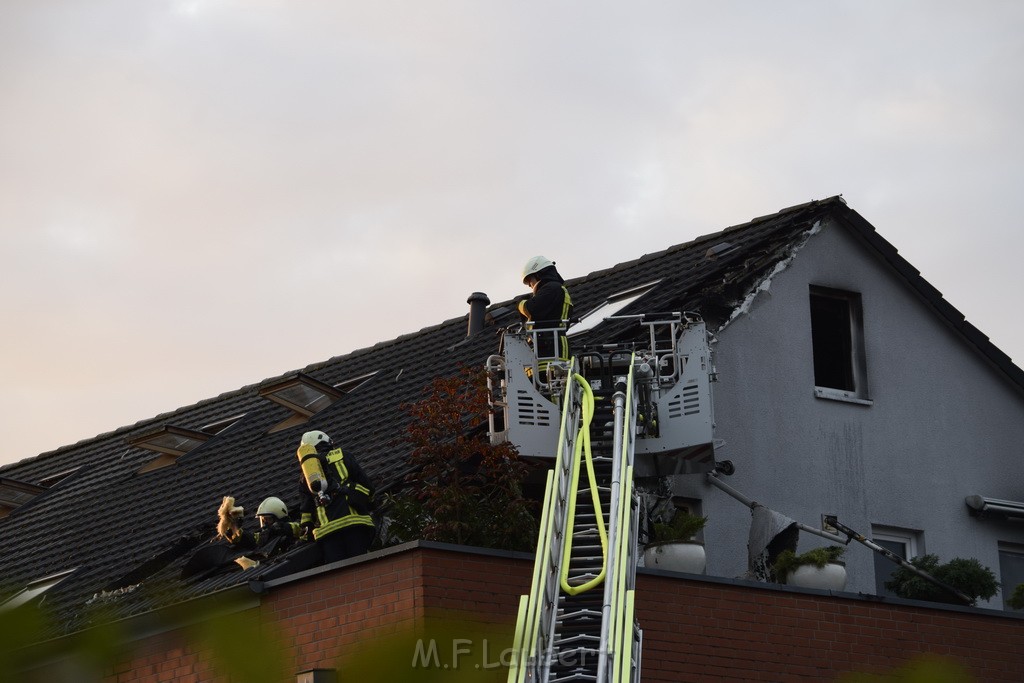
x=583, y=444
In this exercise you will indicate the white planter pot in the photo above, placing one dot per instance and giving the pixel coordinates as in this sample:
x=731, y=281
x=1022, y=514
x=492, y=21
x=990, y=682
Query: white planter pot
x=676, y=556
x=831, y=577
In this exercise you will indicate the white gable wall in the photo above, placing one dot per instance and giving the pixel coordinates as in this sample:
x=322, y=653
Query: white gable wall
x=943, y=425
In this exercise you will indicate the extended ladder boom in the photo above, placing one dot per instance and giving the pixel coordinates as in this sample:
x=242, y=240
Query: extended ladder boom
x=577, y=622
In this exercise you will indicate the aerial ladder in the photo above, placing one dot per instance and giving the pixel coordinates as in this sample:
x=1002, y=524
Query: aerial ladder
x=610, y=416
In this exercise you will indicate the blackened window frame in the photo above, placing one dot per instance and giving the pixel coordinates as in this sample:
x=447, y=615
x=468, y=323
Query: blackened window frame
x=837, y=341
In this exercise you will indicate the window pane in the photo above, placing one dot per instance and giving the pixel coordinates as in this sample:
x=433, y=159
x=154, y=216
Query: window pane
x=884, y=567
x=305, y=397
x=1011, y=572
x=610, y=307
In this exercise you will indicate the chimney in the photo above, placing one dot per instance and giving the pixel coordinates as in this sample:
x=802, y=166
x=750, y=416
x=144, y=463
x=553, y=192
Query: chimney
x=478, y=303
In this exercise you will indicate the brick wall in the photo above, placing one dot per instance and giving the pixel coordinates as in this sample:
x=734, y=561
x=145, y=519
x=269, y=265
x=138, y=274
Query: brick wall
x=694, y=630
x=165, y=658
x=321, y=618
x=718, y=631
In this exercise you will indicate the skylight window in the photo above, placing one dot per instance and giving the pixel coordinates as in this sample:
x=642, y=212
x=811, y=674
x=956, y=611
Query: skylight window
x=33, y=590
x=14, y=494
x=350, y=385
x=610, y=307
x=220, y=425
x=170, y=442
x=303, y=395
x=54, y=479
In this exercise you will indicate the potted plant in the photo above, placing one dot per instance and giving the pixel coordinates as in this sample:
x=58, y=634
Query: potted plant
x=818, y=568
x=966, y=575
x=671, y=545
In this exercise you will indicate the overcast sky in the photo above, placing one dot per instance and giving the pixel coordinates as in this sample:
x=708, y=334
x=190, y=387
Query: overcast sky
x=199, y=194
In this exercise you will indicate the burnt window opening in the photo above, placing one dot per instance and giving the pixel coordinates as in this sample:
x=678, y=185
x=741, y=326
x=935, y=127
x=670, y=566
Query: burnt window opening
x=837, y=338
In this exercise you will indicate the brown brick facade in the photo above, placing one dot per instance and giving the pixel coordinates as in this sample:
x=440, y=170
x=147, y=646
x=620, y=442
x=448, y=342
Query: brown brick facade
x=694, y=630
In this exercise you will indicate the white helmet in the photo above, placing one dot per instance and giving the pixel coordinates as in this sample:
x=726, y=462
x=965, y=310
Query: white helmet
x=535, y=265
x=314, y=439
x=272, y=506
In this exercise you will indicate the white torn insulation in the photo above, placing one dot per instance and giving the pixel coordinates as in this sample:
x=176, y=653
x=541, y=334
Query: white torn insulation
x=766, y=282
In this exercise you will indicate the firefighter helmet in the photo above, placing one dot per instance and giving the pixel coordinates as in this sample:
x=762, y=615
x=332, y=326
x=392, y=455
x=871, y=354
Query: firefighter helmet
x=272, y=506
x=315, y=438
x=535, y=265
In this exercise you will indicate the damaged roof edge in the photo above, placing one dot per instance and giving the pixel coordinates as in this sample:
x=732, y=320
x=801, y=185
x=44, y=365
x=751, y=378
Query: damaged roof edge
x=765, y=282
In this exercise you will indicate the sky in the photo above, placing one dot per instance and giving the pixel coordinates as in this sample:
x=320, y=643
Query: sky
x=196, y=195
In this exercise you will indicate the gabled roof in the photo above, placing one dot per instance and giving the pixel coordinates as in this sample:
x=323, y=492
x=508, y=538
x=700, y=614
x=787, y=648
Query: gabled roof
x=126, y=532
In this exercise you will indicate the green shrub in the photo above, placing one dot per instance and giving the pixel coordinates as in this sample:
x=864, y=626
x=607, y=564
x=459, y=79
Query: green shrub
x=682, y=527
x=966, y=575
x=787, y=560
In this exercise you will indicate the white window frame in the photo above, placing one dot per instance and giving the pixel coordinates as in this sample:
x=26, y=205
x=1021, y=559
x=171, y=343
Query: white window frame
x=1007, y=588
x=610, y=306
x=33, y=590
x=909, y=539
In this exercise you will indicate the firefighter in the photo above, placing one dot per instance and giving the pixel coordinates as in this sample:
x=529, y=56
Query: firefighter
x=276, y=534
x=336, y=498
x=548, y=307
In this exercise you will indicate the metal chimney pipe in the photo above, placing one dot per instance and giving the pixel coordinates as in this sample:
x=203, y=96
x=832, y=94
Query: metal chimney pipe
x=478, y=303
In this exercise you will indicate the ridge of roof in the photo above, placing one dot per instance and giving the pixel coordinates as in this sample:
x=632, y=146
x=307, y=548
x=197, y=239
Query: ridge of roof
x=312, y=367
x=624, y=265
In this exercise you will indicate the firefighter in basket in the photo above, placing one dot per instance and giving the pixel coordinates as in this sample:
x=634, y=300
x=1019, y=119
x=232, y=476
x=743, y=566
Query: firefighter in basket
x=550, y=306
x=336, y=498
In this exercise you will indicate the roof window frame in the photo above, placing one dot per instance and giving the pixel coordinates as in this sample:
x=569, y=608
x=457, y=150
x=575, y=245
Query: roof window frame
x=273, y=392
x=219, y=426
x=610, y=306
x=300, y=412
x=21, y=492
x=34, y=590
x=347, y=386
x=155, y=441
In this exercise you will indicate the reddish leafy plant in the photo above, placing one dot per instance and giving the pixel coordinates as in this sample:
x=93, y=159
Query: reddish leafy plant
x=460, y=488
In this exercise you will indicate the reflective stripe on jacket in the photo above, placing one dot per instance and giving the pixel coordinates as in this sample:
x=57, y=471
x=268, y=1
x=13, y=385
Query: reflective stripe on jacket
x=342, y=510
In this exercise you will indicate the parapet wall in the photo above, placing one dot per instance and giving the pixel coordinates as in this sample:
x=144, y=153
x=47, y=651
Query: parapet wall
x=694, y=629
